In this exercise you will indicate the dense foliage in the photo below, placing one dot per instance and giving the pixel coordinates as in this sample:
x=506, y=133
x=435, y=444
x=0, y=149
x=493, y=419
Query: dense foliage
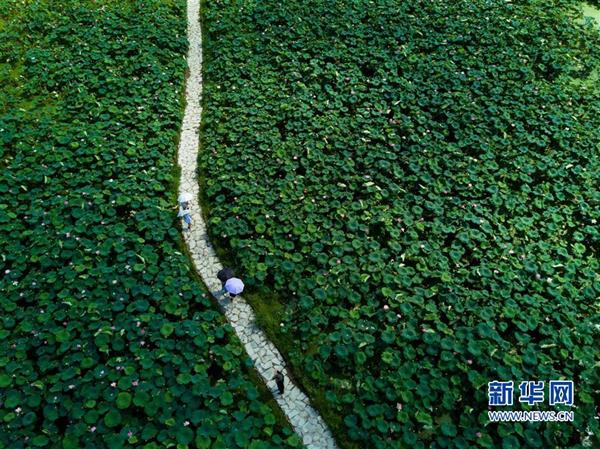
x=418, y=181
x=106, y=341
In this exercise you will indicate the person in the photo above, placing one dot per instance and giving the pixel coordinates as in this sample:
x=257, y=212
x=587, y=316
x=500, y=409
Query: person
x=185, y=213
x=224, y=275
x=234, y=287
x=278, y=378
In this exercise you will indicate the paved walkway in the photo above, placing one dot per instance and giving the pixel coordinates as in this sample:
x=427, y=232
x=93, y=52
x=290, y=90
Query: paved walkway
x=294, y=403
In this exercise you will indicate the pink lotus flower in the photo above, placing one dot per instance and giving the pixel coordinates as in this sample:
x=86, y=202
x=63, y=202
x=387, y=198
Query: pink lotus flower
x=93, y=429
x=478, y=434
x=135, y=383
x=129, y=434
x=386, y=307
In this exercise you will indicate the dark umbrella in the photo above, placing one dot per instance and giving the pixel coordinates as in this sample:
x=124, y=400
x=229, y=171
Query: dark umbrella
x=225, y=274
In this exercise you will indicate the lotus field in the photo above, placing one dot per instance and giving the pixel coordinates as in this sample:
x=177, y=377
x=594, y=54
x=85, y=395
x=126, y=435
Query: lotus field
x=417, y=184
x=106, y=341
x=410, y=191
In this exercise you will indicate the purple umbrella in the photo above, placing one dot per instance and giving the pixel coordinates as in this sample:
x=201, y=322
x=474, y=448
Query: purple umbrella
x=234, y=286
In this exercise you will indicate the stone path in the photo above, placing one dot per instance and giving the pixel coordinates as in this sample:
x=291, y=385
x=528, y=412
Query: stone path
x=294, y=403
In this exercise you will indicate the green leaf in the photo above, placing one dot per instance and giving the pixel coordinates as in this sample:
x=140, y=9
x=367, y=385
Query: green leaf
x=227, y=398
x=387, y=292
x=241, y=439
x=184, y=378
x=62, y=336
x=184, y=435
x=388, y=336
x=387, y=356
x=70, y=442
x=202, y=442
x=29, y=418
x=112, y=418
x=141, y=398
x=448, y=429
x=510, y=442
x=167, y=329
x=123, y=400
x=270, y=419
x=320, y=294
x=40, y=440
x=5, y=380
x=424, y=418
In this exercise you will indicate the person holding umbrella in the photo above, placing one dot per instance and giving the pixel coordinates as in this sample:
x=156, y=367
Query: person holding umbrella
x=234, y=287
x=224, y=275
x=184, y=209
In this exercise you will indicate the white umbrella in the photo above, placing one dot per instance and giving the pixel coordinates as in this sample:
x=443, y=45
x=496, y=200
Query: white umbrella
x=185, y=197
x=234, y=286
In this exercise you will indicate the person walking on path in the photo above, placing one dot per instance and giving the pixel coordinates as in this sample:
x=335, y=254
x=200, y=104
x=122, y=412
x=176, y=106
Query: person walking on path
x=278, y=378
x=234, y=287
x=186, y=214
x=224, y=275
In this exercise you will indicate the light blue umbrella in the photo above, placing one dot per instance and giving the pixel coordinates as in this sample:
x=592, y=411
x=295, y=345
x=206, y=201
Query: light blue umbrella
x=234, y=286
x=185, y=197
